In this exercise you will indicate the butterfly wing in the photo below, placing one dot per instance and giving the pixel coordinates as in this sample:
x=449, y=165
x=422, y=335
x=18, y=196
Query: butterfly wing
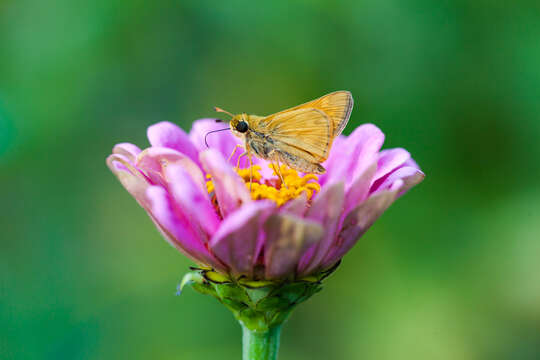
x=336, y=105
x=309, y=131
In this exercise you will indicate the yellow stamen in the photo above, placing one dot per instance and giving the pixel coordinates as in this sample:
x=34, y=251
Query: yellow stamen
x=272, y=188
x=209, y=184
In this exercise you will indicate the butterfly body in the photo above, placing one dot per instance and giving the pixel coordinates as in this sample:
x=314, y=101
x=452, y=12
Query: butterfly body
x=300, y=137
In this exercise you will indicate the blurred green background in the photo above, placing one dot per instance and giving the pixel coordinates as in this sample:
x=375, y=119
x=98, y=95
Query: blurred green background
x=451, y=271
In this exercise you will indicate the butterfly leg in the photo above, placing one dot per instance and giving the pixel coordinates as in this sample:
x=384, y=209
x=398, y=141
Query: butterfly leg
x=278, y=169
x=233, y=152
x=280, y=174
x=240, y=157
x=250, y=170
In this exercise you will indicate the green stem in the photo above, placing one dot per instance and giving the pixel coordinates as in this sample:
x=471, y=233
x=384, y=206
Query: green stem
x=260, y=345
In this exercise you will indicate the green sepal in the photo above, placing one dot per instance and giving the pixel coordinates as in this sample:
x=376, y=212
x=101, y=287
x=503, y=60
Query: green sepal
x=258, y=304
x=255, y=284
x=215, y=277
x=190, y=278
x=257, y=294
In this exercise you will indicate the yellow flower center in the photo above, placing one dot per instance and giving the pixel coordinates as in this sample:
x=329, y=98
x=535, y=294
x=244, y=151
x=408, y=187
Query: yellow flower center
x=293, y=184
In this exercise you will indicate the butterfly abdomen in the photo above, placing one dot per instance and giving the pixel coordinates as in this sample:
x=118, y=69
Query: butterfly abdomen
x=265, y=148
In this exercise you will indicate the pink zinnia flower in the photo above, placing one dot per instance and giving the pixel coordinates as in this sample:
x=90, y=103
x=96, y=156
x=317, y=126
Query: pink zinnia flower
x=206, y=209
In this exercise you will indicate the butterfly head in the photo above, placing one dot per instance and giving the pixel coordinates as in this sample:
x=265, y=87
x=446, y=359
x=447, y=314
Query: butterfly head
x=239, y=123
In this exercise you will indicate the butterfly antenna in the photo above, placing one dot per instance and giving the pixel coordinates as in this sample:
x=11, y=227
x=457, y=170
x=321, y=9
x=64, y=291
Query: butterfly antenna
x=213, y=131
x=222, y=111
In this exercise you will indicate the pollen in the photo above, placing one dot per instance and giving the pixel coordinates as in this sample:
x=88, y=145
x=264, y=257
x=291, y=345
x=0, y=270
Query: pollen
x=293, y=184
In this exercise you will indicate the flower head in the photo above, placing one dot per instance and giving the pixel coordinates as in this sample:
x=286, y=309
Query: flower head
x=267, y=229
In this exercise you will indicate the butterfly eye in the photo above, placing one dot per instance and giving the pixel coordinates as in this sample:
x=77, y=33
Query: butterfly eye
x=242, y=126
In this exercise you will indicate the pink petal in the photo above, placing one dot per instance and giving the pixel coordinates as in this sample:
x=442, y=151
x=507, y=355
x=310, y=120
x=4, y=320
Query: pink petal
x=296, y=206
x=287, y=237
x=128, y=150
x=339, y=147
x=168, y=135
x=390, y=160
x=239, y=239
x=397, y=185
x=326, y=210
x=355, y=155
x=410, y=176
x=153, y=161
x=192, y=200
x=130, y=177
x=357, y=223
x=177, y=230
x=223, y=141
x=359, y=189
x=306, y=259
x=410, y=162
x=230, y=189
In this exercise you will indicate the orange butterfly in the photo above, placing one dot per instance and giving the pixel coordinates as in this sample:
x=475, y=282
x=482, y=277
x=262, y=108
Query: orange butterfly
x=300, y=137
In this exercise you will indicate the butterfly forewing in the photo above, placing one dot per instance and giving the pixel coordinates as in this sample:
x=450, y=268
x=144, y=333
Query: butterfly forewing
x=337, y=106
x=307, y=129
